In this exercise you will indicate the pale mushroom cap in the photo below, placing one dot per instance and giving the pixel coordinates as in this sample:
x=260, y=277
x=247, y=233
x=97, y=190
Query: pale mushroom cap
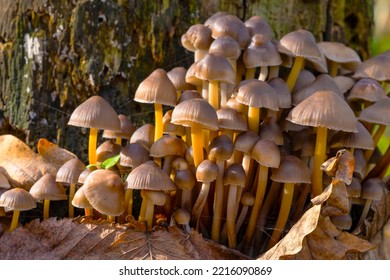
x=225, y=46
x=70, y=171
x=127, y=129
x=149, y=176
x=188, y=94
x=376, y=68
x=344, y=83
x=221, y=147
x=232, y=26
x=180, y=163
x=79, y=200
x=105, y=192
x=182, y=216
x=231, y=120
x=266, y=153
x=283, y=93
x=185, y=179
x=157, y=197
x=234, y=175
x=269, y=129
x=373, y=189
x=292, y=170
x=84, y=174
x=305, y=77
x=156, y=88
x=355, y=188
x=95, y=112
x=299, y=43
x=258, y=94
x=196, y=111
x=367, y=89
x=245, y=141
x=214, y=67
x=17, y=199
x=198, y=36
x=340, y=53
x=177, y=76
x=361, y=139
x=144, y=135
x=259, y=25
x=47, y=188
x=168, y=145
x=326, y=109
x=378, y=113
x=264, y=54
x=207, y=171
x=133, y=155
x=4, y=183
x=247, y=199
x=107, y=150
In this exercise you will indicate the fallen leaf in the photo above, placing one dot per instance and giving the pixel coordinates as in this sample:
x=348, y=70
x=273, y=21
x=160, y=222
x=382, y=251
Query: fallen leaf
x=22, y=166
x=337, y=203
x=53, y=154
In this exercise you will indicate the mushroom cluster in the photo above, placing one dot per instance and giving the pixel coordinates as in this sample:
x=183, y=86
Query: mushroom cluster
x=239, y=137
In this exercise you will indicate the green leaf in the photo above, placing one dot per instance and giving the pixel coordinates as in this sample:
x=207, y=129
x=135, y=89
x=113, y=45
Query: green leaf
x=110, y=162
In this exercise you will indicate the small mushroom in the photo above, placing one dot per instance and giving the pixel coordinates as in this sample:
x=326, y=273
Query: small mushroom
x=182, y=216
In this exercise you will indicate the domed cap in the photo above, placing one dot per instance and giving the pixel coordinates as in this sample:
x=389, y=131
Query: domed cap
x=185, y=179
x=4, y=183
x=168, y=145
x=17, y=199
x=197, y=111
x=177, y=76
x=299, y=43
x=156, y=197
x=373, y=189
x=292, y=170
x=95, y=112
x=182, y=216
x=170, y=128
x=47, y=188
x=261, y=53
x=231, y=120
x=376, y=68
x=266, y=153
x=305, y=77
x=79, y=200
x=259, y=25
x=378, y=113
x=247, y=199
x=368, y=90
x=225, y=46
x=232, y=26
x=187, y=95
x=180, y=163
x=283, y=93
x=197, y=37
x=105, y=192
x=133, y=155
x=221, y=147
x=361, y=139
x=326, y=109
x=340, y=53
x=156, y=88
x=107, y=150
x=234, y=175
x=344, y=83
x=258, y=94
x=143, y=135
x=270, y=129
x=245, y=141
x=207, y=171
x=127, y=129
x=70, y=171
x=149, y=176
x=214, y=67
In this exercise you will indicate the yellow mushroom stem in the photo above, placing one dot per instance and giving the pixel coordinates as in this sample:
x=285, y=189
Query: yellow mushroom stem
x=377, y=136
x=254, y=119
x=15, y=220
x=319, y=158
x=88, y=212
x=149, y=213
x=263, y=73
x=142, y=212
x=250, y=73
x=118, y=140
x=292, y=77
x=200, y=203
x=72, y=190
x=158, y=120
x=111, y=219
x=214, y=94
x=197, y=143
x=92, y=145
x=333, y=68
x=46, y=206
x=288, y=192
x=129, y=202
x=260, y=192
x=218, y=202
x=231, y=216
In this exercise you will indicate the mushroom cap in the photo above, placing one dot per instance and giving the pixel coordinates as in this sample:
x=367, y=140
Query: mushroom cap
x=79, y=200
x=231, y=120
x=344, y=83
x=340, y=53
x=207, y=171
x=157, y=197
x=180, y=163
x=168, y=145
x=247, y=198
x=149, y=176
x=360, y=164
x=70, y=171
x=185, y=179
x=188, y=94
x=133, y=155
x=260, y=53
x=232, y=26
x=283, y=93
x=214, y=67
x=355, y=188
x=221, y=147
x=305, y=77
x=258, y=94
x=127, y=129
x=182, y=216
x=17, y=199
x=361, y=139
x=177, y=75
x=259, y=25
x=299, y=43
x=107, y=150
x=292, y=170
x=47, y=188
x=156, y=88
x=170, y=128
x=197, y=37
x=84, y=174
x=144, y=135
x=191, y=77
x=270, y=130
x=245, y=141
x=4, y=183
x=326, y=109
x=372, y=189
x=197, y=111
x=95, y=112
x=368, y=90
x=234, y=175
x=378, y=113
x=266, y=153
x=376, y=68
x=225, y=46
x=105, y=191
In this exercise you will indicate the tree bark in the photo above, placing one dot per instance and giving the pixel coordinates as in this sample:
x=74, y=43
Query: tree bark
x=54, y=54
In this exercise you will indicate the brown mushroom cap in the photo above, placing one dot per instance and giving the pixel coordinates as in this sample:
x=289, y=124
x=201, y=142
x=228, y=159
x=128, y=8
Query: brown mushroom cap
x=133, y=155
x=367, y=89
x=95, y=112
x=361, y=139
x=207, y=171
x=232, y=26
x=188, y=94
x=305, y=77
x=127, y=129
x=182, y=216
x=299, y=43
x=344, y=83
x=4, y=183
x=144, y=135
x=266, y=153
x=292, y=170
x=259, y=25
x=260, y=53
x=283, y=93
x=372, y=189
x=258, y=94
x=376, y=68
x=185, y=179
x=355, y=188
x=17, y=199
x=149, y=176
x=79, y=200
x=70, y=171
x=47, y=188
x=378, y=113
x=214, y=67
x=225, y=46
x=221, y=147
x=170, y=128
x=234, y=175
x=340, y=53
x=245, y=141
x=177, y=76
x=271, y=130
x=197, y=37
x=180, y=163
x=168, y=145
x=156, y=88
x=195, y=111
x=107, y=150
x=104, y=190
x=231, y=120
x=326, y=109
x=360, y=163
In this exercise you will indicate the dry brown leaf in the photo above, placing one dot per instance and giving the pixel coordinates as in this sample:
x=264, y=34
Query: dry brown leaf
x=337, y=203
x=98, y=239
x=341, y=166
x=22, y=166
x=53, y=154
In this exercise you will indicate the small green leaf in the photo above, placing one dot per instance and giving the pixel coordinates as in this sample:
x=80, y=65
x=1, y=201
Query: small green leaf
x=94, y=164
x=110, y=162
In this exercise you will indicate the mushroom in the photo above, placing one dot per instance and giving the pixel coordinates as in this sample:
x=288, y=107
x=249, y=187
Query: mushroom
x=46, y=188
x=247, y=200
x=144, y=135
x=153, y=198
x=231, y=122
x=127, y=129
x=4, y=183
x=182, y=216
x=259, y=25
x=197, y=39
x=158, y=89
x=69, y=173
x=376, y=67
x=323, y=109
x=17, y=199
x=177, y=75
x=185, y=180
x=80, y=201
x=106, y=150
x=94, y=113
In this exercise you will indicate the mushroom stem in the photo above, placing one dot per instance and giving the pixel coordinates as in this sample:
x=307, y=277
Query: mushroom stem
x=241, y=217
x=142, y=213
x=333, y=67
x=129, y=202
x=186, y=198
x=260, y=192
x=149, y=213
x=214, y=94
x=46, y=206
x=263, y=73
x=88, y=212
x=15, y=220
x=218, y=202
x=250, y=73
x=273, y=72
x=197, y=143
x=231, y=216
x=319, y=158
x=292, y=77
x=288, y=192
x=158, y=119
x=254, y=119
x=92, y=145
x=377, y=136
x=72, y=190
x=118, y=140
x=366, y=208
x=199, y=204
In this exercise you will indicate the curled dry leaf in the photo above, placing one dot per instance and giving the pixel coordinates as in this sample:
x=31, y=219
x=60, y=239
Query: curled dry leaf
x=53, y=154
x=337, y=203
x=97, y=239
x=341, y=166
x=20, y=164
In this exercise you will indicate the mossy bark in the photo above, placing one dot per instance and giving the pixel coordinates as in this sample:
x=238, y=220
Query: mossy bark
x=54, y=54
